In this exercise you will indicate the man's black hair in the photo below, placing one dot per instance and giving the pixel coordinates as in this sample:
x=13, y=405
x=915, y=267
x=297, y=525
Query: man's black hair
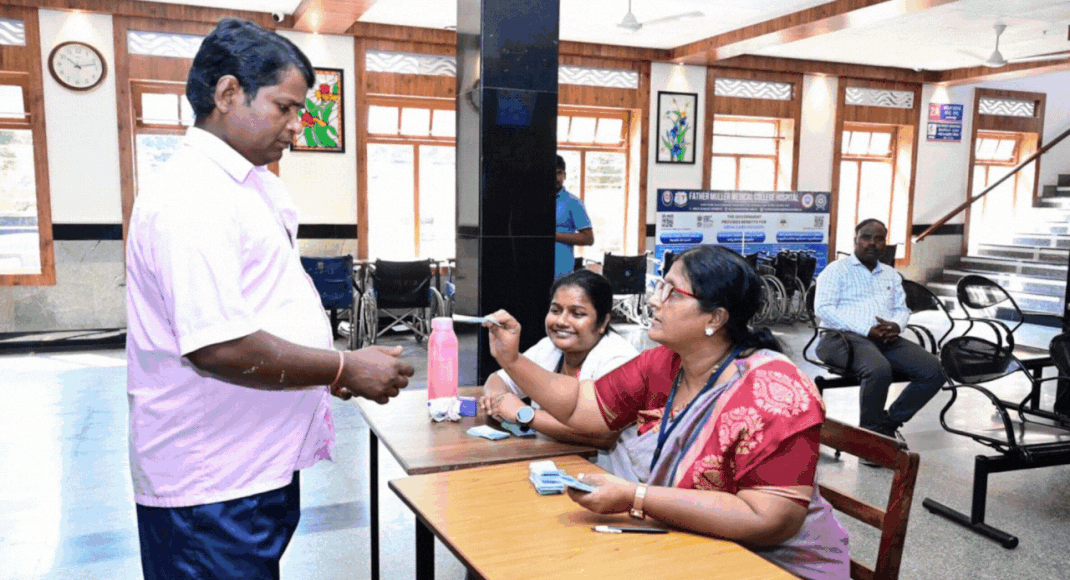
x=560, y=163
x=865, y=223
x=254, y=56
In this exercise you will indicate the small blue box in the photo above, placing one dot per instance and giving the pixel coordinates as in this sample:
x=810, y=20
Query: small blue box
x=468, y=406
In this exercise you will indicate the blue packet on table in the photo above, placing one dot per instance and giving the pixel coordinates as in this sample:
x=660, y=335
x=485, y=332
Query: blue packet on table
x=487, y=432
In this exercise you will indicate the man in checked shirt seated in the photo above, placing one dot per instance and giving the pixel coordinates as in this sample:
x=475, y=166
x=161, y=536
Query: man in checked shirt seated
x=864, y=299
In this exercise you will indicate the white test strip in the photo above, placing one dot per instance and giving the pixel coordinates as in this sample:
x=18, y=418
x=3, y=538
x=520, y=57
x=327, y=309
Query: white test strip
x=475, y=319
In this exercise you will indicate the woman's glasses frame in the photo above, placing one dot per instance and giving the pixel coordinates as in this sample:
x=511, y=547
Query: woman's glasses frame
x=663, y=290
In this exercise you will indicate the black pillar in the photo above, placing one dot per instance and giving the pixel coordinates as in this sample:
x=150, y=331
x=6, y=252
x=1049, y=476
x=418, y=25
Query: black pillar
x=506, y=146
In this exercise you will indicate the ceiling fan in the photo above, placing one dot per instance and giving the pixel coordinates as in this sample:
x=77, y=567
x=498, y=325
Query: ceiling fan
x=996, y=59
x=631, y=24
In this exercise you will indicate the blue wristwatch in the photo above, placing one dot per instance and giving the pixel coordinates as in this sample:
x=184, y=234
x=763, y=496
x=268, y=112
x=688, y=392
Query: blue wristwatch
x=525, y=415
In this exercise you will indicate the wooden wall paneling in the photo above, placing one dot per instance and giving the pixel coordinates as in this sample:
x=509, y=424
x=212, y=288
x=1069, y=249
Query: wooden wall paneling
x=908, y=144
x=377, y=83
x=707, y=127
x=597, y=96
x=1001, y=123
x=410, y=46
x=965, y=248
x=28, y=59
x=156, y=11
x=974, y=74
x=329, y=16
x=837, y=69
x=1039, y=113
x=371, y=31
x=752, y=107
x=361, y=83
x=125, y=117
x=644, y=146
x=796, y=114
x=882, y=115
x=613, y=52
x=13, y=58
x=142, y=67
x=807, y=23
x=837, y=147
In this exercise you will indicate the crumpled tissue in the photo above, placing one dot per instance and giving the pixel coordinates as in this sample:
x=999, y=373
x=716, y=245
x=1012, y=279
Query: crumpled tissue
x=444, y=408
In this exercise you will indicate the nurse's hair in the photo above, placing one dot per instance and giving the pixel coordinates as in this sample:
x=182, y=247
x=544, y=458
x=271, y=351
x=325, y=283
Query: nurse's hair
x=256, y=57
x=595, y=286
x=721, y=278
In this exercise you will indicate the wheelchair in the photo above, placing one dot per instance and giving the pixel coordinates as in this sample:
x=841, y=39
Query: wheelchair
x=627, y=276
x=402, y=292
x=333, y=279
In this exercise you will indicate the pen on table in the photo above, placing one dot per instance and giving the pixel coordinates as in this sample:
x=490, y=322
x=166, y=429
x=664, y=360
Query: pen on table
x=628, y=530
x=475, y=319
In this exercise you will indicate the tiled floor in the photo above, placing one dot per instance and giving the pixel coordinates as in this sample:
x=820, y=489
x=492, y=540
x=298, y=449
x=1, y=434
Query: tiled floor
x=66, y=507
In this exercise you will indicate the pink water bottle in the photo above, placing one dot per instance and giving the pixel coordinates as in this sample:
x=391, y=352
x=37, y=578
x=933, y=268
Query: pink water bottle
x=442, y=359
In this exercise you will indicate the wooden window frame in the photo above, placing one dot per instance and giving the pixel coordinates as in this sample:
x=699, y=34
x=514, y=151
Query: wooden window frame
x=623, y=147
x=738, y=157
x=24, y=63
x=414, y=141
x=890, y=158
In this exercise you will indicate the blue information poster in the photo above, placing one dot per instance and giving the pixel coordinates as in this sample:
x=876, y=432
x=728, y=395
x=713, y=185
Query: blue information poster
x=945, y=132
x=746, y=221
x=945, y=112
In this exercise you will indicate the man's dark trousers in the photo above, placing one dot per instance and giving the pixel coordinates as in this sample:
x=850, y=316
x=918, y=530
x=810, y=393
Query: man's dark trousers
x=874, y=364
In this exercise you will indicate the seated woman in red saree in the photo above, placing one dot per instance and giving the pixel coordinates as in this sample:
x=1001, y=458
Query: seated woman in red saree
x=735, y=425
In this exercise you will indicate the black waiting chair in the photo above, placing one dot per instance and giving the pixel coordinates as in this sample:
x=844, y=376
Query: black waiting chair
x=974, y=364
x=984, y=301
x=333, y=278
x=920, y=299
x=844, y=377
x=402, y=292
x=627, y=277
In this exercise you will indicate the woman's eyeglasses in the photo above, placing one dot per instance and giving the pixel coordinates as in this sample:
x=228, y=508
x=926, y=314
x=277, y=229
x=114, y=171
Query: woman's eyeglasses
x=663, y=289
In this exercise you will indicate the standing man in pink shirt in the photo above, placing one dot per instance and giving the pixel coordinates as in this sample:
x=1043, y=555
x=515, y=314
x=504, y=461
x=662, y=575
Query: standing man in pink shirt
x=230, y=358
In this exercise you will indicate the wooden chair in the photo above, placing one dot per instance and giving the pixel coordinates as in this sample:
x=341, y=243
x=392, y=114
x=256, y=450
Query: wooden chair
x=892, y=520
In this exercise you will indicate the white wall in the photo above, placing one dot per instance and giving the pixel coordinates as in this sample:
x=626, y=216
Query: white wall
x=817, y=135
x=83, y=148
x=677, y=79
x=943, y=167
x=324, y=185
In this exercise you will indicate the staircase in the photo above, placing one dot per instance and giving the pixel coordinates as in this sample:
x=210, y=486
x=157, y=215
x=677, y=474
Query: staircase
x=1031, y=264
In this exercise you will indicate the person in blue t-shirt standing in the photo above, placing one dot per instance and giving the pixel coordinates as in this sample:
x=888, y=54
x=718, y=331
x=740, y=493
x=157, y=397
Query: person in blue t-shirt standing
x=573, y=225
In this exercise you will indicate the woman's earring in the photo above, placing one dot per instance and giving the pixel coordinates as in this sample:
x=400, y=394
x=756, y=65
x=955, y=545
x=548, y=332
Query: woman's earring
x=709, y=331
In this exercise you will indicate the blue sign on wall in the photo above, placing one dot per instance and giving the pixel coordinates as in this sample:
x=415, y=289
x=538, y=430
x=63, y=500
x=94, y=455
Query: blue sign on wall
x=945, y=132
x=945, y=112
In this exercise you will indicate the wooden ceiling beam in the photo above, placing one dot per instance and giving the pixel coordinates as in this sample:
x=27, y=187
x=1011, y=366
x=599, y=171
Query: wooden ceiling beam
x=817, y=67
x=973, y=74
x=329, y=16
x=811, y=22
x=153, y=10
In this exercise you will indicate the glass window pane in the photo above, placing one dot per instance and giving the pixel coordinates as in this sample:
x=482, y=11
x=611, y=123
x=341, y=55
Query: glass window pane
x=151, y=153
x=875, y=191
x=757, y=174
x=609, y=131
x=726, y=144
x=438, y=202
x=980, y=179
x=757, y=129
x=1004, y=150
x=604, y=197
x=562, y=129
x=391, y=224
x=986, y=148
x=845, y=144
x=727, y=127
x=880, y=143
x=20, y=251
x=859, y=143
x=444, y=123
x=847, y=216
x=383, y=120
x=415, y=122
x=572, y=172
x=582, y=130
x=159, y=109
x=723, y=173
x=11, y=103
x=187, y=111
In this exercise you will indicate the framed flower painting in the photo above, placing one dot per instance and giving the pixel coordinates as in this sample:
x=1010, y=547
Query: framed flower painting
x=676, y=127
x=322, y=128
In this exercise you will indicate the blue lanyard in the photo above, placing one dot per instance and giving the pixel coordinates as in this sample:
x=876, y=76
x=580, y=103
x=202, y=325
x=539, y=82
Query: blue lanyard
x=663, y=433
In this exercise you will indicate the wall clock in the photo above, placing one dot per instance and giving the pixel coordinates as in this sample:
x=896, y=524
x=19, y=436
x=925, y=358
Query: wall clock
x=77, y=65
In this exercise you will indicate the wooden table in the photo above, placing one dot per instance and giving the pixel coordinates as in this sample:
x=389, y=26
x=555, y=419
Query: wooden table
x=492, y=519
x=422, y=446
